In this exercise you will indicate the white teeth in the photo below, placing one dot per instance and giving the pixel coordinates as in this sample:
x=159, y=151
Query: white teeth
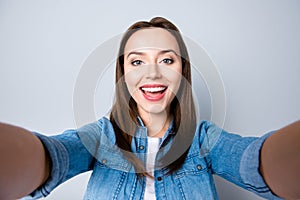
x=154, y=89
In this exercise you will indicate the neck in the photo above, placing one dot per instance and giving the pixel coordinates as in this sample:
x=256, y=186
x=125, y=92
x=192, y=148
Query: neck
x=156, y=123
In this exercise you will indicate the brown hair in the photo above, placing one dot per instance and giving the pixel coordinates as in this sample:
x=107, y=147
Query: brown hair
x=124, y=111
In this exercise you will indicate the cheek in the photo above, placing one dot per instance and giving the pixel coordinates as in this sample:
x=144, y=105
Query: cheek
x=131, y=80
x=174, y=76
x=176, y=80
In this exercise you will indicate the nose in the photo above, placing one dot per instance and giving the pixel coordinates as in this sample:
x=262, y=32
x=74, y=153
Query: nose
x=153, y=71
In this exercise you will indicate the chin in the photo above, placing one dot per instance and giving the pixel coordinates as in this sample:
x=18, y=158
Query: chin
x=154, y=108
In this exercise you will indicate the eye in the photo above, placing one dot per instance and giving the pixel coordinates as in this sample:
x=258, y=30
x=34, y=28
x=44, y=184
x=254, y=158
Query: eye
x=167, y=61
x=136, y=62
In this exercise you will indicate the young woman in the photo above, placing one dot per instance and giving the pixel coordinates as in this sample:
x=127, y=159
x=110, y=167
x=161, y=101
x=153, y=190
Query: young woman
x=152, y=146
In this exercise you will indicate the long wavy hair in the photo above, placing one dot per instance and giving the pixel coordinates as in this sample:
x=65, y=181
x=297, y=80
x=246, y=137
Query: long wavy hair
x=124, y=111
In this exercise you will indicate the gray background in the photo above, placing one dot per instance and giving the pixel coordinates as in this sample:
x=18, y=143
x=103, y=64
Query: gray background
x=254, y=44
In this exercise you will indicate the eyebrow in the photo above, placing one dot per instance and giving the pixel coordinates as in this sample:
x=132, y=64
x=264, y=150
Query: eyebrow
x=160, y=53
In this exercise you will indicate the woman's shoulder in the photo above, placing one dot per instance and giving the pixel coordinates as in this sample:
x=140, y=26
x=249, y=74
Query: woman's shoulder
x=207, y=134
x=208, y=128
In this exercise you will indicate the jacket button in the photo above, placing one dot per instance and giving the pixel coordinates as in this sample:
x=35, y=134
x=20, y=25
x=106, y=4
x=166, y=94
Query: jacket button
x=159, y=178
x=199, y=167
x=141, y=147
x=104, y=161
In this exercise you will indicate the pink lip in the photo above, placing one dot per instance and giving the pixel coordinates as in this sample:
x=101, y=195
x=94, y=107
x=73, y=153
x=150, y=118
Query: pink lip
x=156, y=97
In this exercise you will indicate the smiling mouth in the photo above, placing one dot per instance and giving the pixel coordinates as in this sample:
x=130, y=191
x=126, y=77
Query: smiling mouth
x=153, y=92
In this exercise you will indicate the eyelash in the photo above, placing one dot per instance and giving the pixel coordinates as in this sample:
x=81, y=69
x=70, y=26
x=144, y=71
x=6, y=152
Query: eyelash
x=168, y=61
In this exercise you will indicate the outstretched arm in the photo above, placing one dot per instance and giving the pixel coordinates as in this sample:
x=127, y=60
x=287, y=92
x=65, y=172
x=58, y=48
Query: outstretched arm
x=280, y=161
x=24, y=162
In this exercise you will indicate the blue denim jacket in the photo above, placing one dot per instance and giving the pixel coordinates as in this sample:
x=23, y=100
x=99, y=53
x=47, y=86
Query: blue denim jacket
x=213, y=151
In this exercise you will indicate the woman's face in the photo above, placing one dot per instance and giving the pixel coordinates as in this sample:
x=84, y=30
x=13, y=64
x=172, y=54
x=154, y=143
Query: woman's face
x=153, y=68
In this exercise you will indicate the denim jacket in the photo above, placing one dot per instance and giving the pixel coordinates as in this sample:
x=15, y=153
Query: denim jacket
x=213, y=151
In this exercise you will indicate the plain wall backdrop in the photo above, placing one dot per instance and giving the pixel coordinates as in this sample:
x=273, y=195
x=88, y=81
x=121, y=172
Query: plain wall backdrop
x=254, y=44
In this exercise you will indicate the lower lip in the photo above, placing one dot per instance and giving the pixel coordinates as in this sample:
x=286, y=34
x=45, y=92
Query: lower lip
x=156, y=98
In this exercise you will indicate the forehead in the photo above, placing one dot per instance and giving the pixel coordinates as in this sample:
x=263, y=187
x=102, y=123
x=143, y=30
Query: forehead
x=151, y=38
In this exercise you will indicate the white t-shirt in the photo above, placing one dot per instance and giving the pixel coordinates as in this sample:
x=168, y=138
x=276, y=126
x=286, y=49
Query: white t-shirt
x=153, y=147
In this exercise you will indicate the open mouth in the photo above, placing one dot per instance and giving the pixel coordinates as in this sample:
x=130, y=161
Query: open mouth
x=153, y=92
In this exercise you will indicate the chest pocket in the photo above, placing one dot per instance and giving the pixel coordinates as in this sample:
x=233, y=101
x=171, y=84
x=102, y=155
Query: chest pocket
x=192, y=166
x=109, y=183
x=112, y=157
x=194, y=179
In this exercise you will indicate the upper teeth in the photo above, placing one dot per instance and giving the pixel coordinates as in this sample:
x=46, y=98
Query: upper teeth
x=154, y=89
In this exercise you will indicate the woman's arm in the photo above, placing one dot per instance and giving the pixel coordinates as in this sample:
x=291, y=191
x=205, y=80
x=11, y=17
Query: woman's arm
x=24, y=162
x=280, y=161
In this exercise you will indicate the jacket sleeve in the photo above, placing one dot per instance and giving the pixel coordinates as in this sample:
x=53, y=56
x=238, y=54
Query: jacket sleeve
x=71, y=153
x=236, y=158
